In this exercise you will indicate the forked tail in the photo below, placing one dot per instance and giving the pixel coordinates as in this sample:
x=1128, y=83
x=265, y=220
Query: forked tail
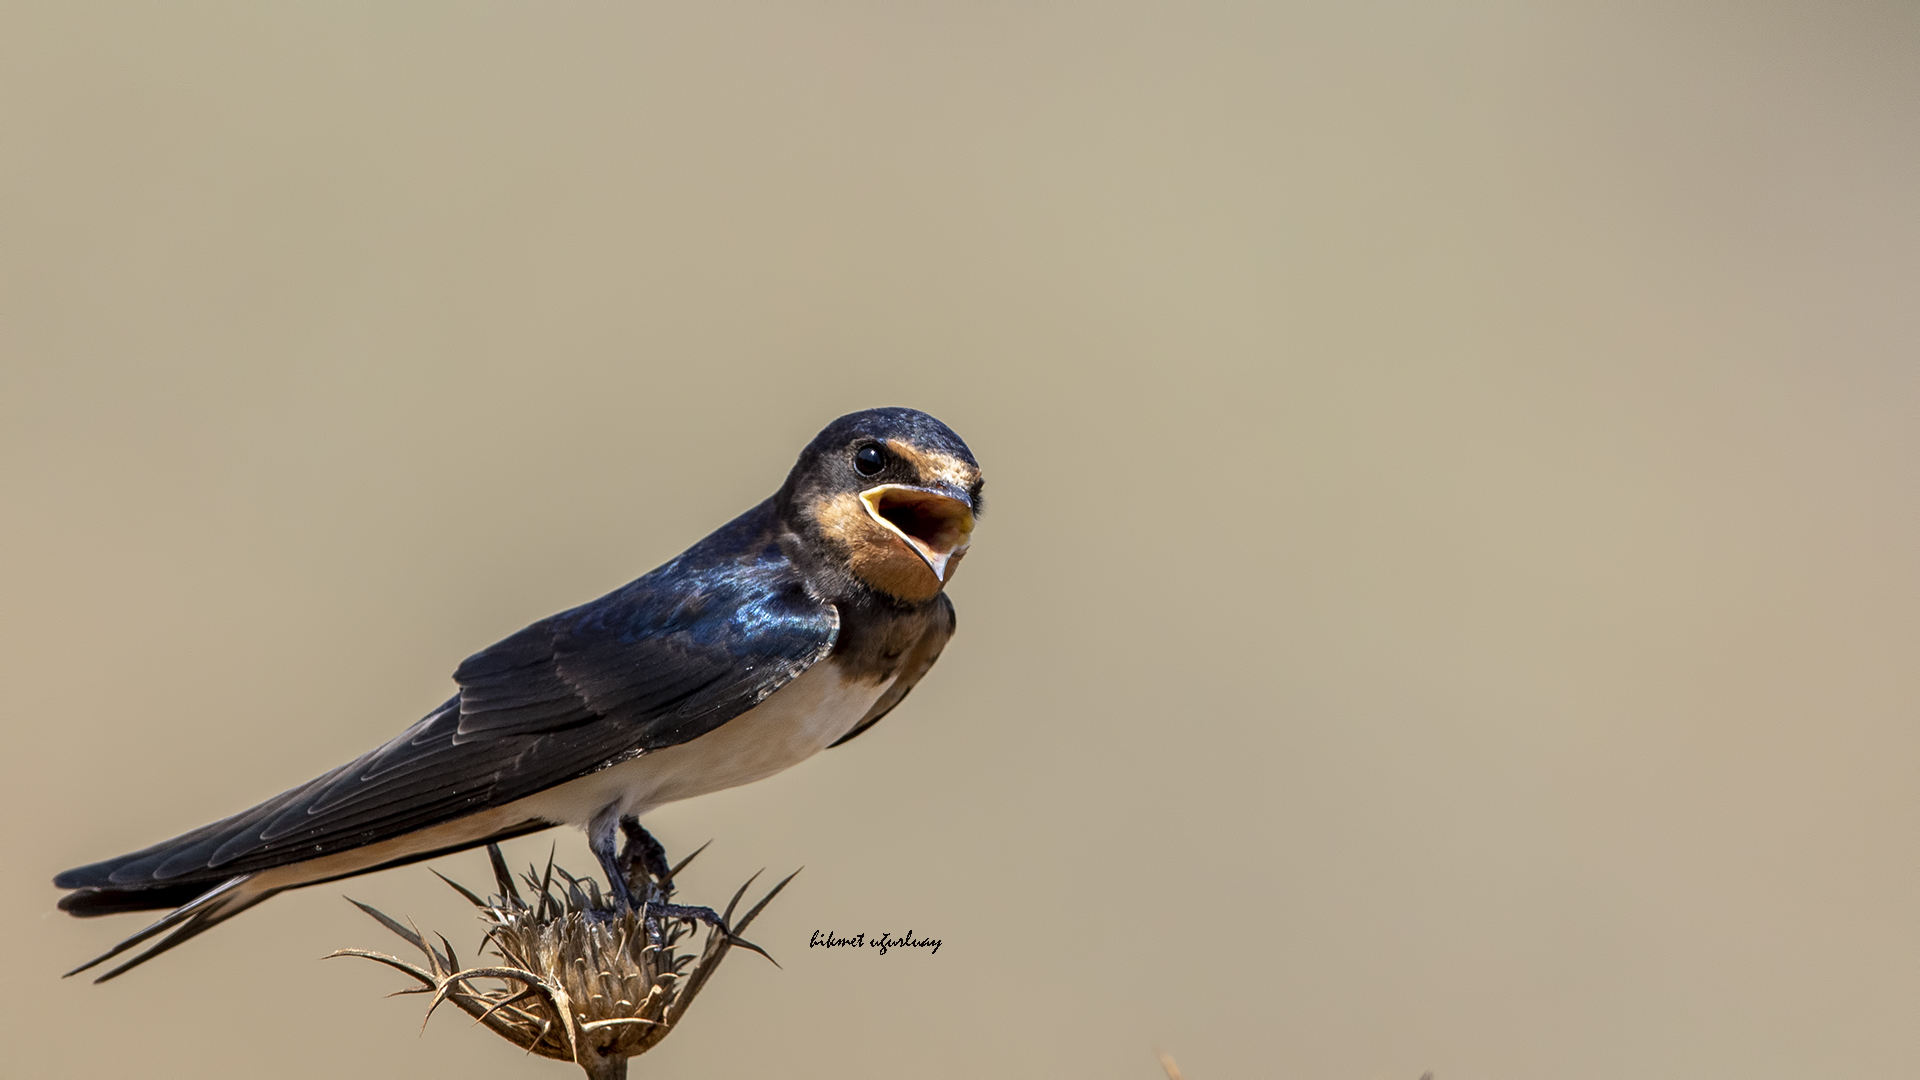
x=193, y=918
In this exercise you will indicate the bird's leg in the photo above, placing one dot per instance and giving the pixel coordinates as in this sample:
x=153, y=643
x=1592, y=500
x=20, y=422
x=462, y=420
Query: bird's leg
x=600, y=840
x=655, y=876
x=646, y=852
x=644, y=870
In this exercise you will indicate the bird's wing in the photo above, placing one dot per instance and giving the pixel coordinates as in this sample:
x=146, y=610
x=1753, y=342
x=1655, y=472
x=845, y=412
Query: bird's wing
x=925, y=652
x=663, y=660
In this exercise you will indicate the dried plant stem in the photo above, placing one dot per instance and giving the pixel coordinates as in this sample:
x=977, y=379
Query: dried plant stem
x=605, y=1068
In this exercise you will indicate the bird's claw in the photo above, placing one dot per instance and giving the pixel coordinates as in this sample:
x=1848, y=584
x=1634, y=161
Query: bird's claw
x=657, y=909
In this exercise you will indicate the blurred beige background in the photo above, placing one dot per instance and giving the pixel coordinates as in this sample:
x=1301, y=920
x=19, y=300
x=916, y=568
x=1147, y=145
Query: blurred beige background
x=1449, y=598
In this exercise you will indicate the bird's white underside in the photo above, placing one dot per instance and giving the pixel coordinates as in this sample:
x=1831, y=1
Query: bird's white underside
x=796, y=722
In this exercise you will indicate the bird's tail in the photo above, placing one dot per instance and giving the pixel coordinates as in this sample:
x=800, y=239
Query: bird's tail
x=201, y=909
x=91, y=900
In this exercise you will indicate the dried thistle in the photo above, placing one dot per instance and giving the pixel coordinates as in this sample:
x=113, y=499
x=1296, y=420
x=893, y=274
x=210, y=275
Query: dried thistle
x=578, y=980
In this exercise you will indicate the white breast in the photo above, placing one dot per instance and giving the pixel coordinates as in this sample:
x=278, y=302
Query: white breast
x=796, y=722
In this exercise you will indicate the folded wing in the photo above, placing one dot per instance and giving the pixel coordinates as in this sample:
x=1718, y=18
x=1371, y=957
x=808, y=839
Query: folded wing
x=658, y=662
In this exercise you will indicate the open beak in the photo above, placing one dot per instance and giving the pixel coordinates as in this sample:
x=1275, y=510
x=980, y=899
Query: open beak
x=935, y=524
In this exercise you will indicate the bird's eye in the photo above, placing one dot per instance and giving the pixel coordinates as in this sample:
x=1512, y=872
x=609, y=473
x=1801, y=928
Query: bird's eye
x=869, y=460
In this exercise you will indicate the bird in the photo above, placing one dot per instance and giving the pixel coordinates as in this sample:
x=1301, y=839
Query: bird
x=792, y=628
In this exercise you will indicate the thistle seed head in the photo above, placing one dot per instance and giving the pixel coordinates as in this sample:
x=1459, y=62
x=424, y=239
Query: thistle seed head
x=577, y=979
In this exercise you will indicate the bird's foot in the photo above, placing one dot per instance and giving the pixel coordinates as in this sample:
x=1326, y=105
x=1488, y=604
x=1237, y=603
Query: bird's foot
x=658, y=909
x=663, y=910
x=639, y=877
x=623, y=898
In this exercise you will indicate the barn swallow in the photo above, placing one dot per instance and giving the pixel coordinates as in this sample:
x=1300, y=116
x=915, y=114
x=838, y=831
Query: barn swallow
x=792, y=628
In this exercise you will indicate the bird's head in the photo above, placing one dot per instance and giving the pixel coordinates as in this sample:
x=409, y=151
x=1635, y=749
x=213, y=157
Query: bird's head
x=892, y=492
